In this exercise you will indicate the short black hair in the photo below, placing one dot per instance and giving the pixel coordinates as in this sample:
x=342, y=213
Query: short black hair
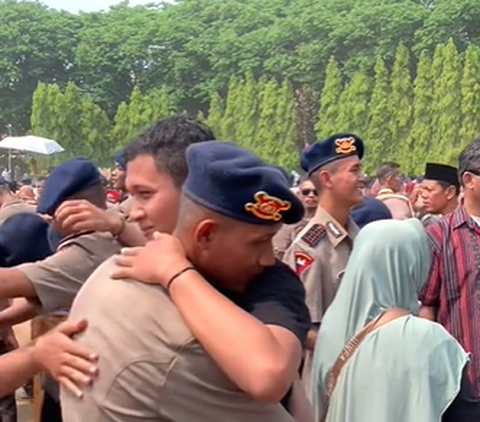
x=387, y=169
x=446, y=185
x=166, y=141
x=469, y=159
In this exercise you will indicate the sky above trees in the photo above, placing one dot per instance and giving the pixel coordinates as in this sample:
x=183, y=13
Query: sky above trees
x=90, y=5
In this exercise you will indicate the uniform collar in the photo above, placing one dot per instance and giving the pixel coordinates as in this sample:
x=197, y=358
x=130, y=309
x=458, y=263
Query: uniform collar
x=335, y=231
x=14, y=201
x=385, y=191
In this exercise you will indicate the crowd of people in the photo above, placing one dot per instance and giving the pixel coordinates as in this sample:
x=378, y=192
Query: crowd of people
x=198, y=284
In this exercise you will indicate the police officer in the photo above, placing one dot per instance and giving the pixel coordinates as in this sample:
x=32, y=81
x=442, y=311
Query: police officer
x=219, y=337
x=439, y=192
x=9, y=204
x=320, y=252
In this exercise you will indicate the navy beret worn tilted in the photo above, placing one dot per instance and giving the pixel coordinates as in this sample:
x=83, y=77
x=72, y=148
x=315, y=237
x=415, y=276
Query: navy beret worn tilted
x=370, y=210
x=331, y=149
x=234, y=182
x=65, y=180
x=23, y=238
x=120, y=160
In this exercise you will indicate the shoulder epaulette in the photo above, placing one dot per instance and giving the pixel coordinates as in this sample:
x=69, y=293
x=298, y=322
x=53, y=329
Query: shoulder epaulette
x=314, y=235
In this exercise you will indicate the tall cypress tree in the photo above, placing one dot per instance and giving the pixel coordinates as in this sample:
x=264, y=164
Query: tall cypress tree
x=447, y=102
x=378, y=131
x=234, y=97
x=95, y=127
x=353, y=110
x=421, y=134
x=265, y=140
x=470, y=94
x=40, y=111
x=215, y=115
x=329, y=101
x=121, y=127
x=138, y=112
x=247, y=115
x=400, y=104
x=286, y=153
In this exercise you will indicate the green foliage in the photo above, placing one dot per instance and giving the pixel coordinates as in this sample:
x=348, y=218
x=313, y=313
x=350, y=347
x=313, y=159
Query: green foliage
x=378, y=133
x=329, y=101
x=247, y=67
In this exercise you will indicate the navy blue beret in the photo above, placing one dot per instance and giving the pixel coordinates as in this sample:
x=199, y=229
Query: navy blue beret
x=120, y=160
x=370, y=210
x=234, y=182
x=331, y=149
x=65, y=180
x=23, y=238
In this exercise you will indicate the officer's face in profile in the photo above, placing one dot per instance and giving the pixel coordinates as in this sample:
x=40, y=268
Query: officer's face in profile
x=231, y=253
x=156, y=197
x=345, y=179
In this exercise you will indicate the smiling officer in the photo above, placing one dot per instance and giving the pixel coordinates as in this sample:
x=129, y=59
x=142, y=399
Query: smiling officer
x=320, y=252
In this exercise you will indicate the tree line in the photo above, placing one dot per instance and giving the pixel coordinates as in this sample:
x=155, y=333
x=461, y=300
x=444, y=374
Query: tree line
x=191, y=50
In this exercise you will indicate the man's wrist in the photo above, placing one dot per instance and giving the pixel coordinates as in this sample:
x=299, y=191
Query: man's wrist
x=117, y=224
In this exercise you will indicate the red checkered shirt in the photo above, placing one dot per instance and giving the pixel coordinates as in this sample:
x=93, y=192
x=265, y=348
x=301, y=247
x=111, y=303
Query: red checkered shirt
x=453, y=286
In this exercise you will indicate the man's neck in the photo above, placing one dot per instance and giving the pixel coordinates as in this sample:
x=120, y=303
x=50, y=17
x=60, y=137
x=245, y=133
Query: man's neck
x=337, y=211
x=451, y=206
x=384, y=187
x=471, y=206
x=8, y=198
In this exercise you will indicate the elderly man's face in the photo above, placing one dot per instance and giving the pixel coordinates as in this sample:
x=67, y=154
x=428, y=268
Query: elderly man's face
x=156, y=197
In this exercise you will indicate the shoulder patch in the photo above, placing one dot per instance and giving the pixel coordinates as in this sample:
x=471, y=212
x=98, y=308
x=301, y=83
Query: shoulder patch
x=314, y=235
x=302, y=262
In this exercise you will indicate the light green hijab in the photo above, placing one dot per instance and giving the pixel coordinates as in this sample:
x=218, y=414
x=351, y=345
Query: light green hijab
x=407, y=370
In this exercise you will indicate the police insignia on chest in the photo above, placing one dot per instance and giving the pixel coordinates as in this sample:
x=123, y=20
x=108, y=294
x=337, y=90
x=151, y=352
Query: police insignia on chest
x=302, y=262
x=332, y=228
x=314, y=235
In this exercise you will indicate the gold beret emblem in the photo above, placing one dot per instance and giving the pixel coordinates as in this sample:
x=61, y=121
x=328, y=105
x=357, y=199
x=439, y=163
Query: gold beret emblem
x=267, y=207
x=345, y=145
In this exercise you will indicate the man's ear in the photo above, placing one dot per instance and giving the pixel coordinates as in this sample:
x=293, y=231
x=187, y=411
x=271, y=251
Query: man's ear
x=205, y=232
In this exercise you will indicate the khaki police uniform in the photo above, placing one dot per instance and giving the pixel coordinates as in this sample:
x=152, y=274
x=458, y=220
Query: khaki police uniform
x=58, y=278
x=285, y=237
x=398, y=204
x=16, y=206
x=125, y=207
x=152, y=368
x=319, y=256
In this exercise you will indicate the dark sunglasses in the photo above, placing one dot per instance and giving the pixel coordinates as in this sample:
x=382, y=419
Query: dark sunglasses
x=306, y=192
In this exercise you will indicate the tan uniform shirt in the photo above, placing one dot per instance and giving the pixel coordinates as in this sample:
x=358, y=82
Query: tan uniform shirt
x=126, y=206
x=285, y=237
x=58, y=278
x=16, y=206
x=151, y=367
x=319, y=256
x=398, y=204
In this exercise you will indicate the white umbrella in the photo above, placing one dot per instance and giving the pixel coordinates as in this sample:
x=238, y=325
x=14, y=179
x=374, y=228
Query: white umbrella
x=31, y=144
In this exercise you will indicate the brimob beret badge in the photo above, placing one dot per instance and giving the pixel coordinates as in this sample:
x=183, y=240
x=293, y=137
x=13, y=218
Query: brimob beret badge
x=345, y=145
x=267, y=207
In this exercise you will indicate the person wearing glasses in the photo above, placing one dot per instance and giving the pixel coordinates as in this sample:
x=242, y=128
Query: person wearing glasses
x=285, y=237
x=451, y=294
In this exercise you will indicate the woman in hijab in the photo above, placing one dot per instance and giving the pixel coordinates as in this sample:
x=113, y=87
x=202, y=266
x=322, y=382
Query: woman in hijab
x=397, y=367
